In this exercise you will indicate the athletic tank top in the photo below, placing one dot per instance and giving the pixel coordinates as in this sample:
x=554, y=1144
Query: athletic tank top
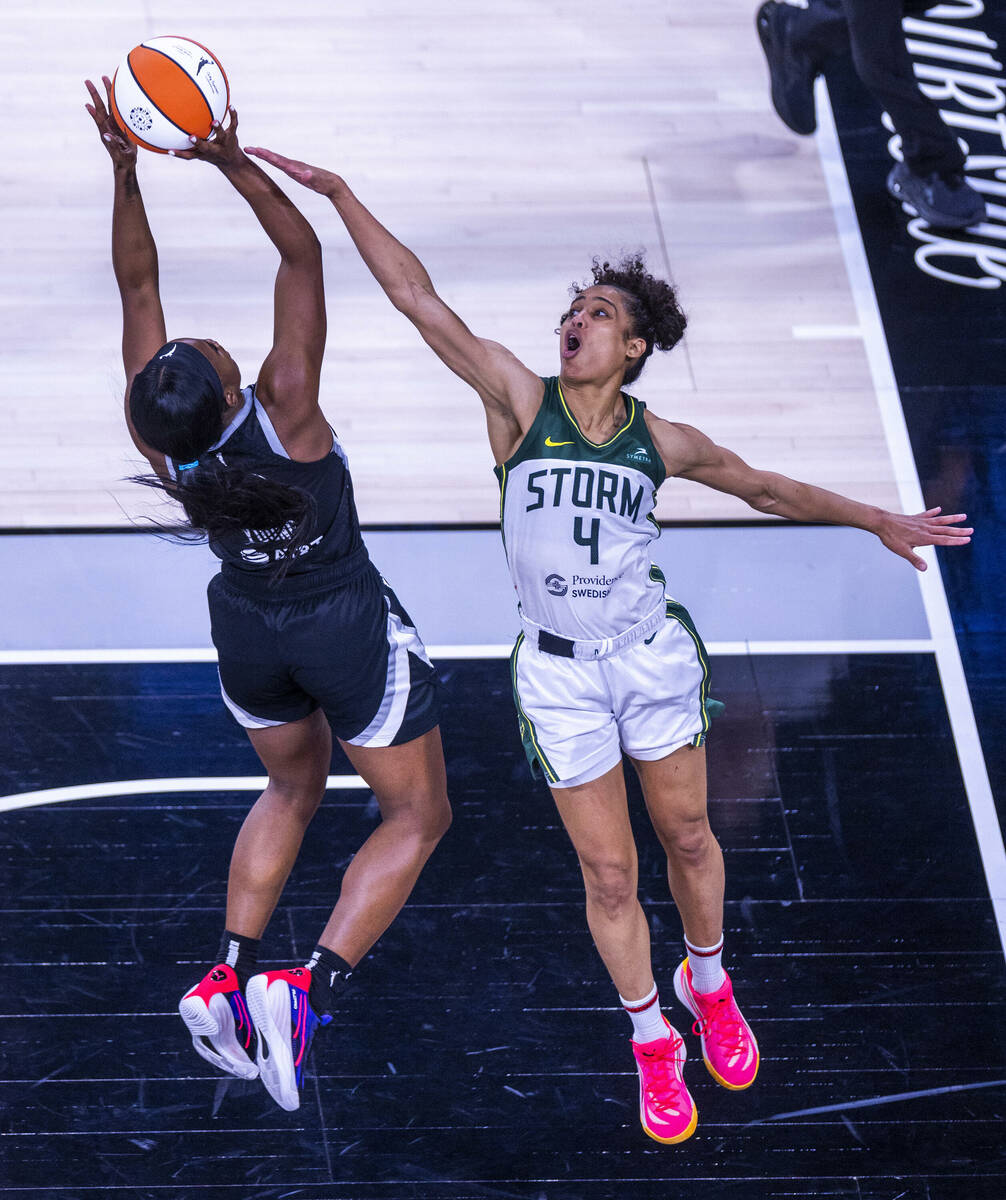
x=251, y=442
x=577, y=522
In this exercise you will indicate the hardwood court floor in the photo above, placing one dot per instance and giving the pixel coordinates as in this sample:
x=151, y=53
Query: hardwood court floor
x=507, y=145
x=480, y=1053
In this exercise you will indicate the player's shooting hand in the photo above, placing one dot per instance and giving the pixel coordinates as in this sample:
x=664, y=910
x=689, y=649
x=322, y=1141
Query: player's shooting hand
x=902, y=534
x=120, y=149
x=315, y=178
x=221, y=148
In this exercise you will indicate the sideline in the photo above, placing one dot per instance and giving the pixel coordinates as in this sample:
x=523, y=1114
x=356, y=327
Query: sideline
x=208, y=654
x=948, y=658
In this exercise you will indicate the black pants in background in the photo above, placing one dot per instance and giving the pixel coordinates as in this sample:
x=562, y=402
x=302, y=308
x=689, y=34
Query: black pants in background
x=872, y=29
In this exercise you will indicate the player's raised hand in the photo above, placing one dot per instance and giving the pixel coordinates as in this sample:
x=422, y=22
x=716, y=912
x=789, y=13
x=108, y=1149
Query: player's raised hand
x=315, y=178
x=120, y=149
x=221, y=148
x=902, y=534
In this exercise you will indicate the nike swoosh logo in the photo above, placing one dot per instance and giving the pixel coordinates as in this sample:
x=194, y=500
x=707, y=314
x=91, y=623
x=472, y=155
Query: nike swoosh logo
x=169, y=353
x=549, y=442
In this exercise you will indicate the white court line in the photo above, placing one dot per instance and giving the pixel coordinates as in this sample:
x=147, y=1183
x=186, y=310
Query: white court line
x=256, y=783
x=112, y=655
x=948, y=658
x=861, y=646
x=149, y=787
x=204, y=654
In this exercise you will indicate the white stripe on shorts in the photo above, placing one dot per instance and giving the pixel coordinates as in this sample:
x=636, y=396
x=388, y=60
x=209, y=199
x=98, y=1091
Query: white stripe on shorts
x=387, y=721
x=246, y=719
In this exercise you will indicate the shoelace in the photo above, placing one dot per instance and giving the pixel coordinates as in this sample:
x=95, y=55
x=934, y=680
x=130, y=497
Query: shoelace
x=661, y=1067
x=722, y=1024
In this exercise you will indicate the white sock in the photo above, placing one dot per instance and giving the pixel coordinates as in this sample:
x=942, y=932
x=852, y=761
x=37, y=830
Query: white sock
x=706, y=963
x=647, y=1023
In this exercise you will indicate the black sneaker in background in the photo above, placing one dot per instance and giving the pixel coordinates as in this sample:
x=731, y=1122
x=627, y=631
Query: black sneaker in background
x=791, y=73
x=945, y=199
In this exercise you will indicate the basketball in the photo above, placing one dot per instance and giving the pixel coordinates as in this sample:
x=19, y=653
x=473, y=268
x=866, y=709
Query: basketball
x=166, y=89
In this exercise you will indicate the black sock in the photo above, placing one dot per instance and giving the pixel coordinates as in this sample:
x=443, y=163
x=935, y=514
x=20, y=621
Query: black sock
x=329, y=975
x=241, y=953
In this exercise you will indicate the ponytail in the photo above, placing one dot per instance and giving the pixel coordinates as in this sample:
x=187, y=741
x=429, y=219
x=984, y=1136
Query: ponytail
x=219, y=501
x=177, y=407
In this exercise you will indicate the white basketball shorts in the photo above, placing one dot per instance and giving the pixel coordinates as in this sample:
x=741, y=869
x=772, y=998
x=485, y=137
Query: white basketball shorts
x=576, y=716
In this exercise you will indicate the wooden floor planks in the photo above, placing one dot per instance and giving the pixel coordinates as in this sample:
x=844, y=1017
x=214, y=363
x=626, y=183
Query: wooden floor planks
x=507, y=146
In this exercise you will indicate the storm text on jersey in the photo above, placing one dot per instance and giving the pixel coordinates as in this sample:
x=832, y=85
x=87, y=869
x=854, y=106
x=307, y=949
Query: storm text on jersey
x=587, y=488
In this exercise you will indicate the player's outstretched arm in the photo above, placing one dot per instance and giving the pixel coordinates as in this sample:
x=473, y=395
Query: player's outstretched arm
x=290, y=375
x=134, y=255
x=691, y=455
x=510, y=392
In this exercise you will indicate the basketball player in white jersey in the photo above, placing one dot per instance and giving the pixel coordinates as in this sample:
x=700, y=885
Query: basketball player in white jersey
x=606, y=663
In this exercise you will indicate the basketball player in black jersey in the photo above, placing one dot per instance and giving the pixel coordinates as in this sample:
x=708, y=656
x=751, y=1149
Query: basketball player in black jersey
x=311, y=640
x=571, y=684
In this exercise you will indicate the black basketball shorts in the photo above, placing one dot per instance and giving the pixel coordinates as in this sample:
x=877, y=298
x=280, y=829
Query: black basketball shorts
x=321, y=640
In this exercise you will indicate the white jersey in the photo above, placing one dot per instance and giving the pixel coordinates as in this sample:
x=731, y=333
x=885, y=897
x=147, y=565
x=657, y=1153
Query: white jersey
x=577, y=522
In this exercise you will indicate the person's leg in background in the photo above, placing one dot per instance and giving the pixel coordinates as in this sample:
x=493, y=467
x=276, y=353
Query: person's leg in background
x=931, y=176
x=799, y=38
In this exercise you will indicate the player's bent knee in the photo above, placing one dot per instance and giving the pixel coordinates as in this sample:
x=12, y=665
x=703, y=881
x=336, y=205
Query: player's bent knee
x=300, y=797
x=611, y=887
x=690, y=843
x=437, y=819
x=426, y=815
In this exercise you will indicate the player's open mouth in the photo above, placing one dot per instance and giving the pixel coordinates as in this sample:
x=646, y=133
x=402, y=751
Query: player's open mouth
x=570, y=345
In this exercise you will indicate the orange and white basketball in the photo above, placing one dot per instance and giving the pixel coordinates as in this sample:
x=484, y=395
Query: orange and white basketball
x=166, y=89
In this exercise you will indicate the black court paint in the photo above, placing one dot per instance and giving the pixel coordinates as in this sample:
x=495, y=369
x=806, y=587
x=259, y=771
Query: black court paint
x=942, y=300
x=481, y=1052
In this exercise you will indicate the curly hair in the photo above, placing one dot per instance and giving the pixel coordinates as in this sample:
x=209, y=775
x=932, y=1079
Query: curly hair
x=654, y=310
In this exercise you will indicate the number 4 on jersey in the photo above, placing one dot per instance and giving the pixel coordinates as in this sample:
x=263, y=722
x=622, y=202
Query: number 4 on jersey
x=590, y=540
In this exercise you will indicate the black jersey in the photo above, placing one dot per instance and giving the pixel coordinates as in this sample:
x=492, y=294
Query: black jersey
x=251, y=442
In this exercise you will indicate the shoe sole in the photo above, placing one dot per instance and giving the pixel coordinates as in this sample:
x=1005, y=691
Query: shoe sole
x=665, y=1141
x=216, y=1022
x=269, y=1008
x=681, y=991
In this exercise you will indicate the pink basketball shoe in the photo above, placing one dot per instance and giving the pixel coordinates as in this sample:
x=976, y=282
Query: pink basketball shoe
x=728, y=1045
x=666, y=1110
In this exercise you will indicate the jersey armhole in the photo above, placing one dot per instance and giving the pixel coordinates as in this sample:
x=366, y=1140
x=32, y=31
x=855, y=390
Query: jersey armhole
x=658, y=457
x=539, y=416
x=276, y=443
